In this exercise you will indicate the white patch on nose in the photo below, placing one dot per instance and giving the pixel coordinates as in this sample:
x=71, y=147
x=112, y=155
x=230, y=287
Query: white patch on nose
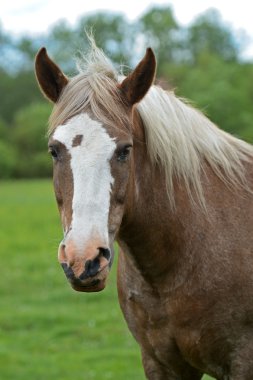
x=92, y=179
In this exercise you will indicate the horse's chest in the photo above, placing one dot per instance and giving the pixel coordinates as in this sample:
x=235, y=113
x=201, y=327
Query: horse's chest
x=151, y=317
x=147, y=320
x=146, y=308
x=155, y=329
x=152, y=322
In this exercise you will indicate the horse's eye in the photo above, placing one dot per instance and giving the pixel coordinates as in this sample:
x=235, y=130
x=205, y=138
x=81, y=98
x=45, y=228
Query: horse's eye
x=123, y=153
x=53, y=151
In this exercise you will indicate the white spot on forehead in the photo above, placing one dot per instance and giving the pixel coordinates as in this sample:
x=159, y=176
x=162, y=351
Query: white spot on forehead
x=92, y=178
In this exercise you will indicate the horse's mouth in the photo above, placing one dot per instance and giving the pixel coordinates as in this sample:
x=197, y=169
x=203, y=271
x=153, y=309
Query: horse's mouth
x=94, y=283
x=93, y=286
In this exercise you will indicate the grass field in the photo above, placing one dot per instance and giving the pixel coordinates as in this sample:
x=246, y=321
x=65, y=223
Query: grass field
x=48, y=331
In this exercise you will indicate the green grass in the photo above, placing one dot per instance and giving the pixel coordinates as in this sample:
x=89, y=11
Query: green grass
x=48, y=331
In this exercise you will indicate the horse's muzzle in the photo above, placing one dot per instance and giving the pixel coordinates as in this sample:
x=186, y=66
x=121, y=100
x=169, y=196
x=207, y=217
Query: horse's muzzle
x=86, y=275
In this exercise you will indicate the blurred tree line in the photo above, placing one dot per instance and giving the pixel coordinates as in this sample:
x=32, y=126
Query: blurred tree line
x=203, y=62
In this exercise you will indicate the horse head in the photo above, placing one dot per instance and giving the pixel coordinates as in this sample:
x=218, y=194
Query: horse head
x=92, y=145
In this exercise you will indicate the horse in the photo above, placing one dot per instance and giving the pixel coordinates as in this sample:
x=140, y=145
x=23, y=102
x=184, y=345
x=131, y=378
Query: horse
x=135, y=164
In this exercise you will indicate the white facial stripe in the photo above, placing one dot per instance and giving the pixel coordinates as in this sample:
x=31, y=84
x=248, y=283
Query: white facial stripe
x=92, y=178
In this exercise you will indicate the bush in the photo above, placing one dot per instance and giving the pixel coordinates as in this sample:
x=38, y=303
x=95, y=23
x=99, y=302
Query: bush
x=29, y=140
x=7, y=160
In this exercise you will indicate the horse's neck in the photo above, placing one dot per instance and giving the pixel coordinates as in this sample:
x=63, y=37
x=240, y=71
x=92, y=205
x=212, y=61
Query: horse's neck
x=154, y=234
x=167, y=244
x=150, y=232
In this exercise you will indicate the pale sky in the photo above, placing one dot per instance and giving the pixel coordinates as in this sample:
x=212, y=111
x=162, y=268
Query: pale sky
x=35, y=16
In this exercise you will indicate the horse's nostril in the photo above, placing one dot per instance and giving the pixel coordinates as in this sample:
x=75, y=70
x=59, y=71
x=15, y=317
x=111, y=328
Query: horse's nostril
x=68, y=271
x=91, y=268
x=105, y=252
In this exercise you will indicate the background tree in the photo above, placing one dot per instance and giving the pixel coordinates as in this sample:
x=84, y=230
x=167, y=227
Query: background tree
x=209, y=34
x=29, y=138
x=62, y=43
x=113, y=33
x=160, y=30
x=7, y=153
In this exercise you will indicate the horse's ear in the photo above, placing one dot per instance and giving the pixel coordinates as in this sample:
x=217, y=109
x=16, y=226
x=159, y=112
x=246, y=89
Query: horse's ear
x=135, y=86
x=50, y=77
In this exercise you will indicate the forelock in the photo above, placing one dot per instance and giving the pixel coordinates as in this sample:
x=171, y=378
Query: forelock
x=94, y=89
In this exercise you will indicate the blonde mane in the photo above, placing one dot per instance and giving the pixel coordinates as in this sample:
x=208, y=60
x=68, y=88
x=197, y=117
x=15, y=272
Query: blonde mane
x=180, y=138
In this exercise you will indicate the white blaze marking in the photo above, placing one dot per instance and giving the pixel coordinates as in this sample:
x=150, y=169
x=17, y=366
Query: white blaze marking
x=92, y=178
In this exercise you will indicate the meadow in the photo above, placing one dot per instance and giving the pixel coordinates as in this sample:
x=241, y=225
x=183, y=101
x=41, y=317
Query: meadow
x=48, y=331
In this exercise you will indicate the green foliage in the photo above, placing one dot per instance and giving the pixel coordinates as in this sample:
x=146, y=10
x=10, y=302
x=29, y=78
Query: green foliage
x=29, y=130
x=17, y=92
x=3, y=130
x=48, y=331
x=63, y=43
x=7, y=153
x=112, y=32
x=208, y=34
x=7, y=160
x=159, y=28
x=29, y=138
